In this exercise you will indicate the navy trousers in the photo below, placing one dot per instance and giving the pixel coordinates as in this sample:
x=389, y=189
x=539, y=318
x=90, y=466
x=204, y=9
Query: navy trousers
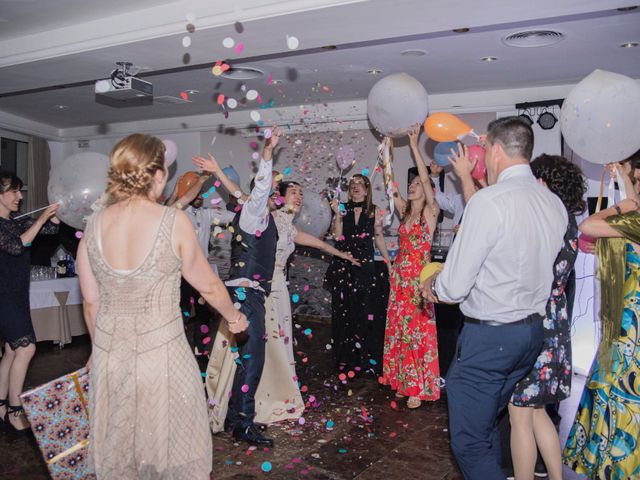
x=251, y=347
x=489, y=361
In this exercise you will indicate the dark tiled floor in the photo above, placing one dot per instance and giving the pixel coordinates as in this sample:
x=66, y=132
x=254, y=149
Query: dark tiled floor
x=371, y=438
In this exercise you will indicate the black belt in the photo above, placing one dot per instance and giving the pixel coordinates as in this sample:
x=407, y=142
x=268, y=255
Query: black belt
x=531, y=319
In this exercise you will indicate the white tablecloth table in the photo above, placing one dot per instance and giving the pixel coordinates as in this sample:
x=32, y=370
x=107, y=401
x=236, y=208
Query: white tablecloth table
x=56, y=309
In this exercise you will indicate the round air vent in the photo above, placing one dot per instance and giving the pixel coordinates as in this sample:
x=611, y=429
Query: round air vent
x=533, y=38
x=242, y=73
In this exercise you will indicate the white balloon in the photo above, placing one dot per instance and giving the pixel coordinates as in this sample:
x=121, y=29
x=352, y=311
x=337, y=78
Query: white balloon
x=315, y=216
x=396, y=103
x=77, y=183
x=599, y=117
x=170, y=152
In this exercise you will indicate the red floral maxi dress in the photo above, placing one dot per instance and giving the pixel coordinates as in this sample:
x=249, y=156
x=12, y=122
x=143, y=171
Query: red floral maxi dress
x=410, y=363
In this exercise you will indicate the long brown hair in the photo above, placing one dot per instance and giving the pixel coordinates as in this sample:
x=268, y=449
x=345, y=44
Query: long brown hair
x=407, y=210
x=369, y=207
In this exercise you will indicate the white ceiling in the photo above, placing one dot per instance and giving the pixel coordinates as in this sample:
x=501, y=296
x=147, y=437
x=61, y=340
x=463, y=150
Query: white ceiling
x=46, y=45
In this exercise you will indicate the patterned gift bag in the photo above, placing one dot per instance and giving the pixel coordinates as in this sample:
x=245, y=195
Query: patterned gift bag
x=59, y=417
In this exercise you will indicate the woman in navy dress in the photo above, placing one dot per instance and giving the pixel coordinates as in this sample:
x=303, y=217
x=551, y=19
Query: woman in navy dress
x=16, y=329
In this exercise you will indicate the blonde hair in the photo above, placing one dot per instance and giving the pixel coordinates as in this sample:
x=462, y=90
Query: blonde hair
x=133, y=163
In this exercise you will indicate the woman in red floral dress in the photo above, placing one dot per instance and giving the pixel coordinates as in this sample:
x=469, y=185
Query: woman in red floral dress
x=410, y=364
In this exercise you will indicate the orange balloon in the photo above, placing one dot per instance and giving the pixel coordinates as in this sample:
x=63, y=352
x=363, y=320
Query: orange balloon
x=445, y=127
x=186, y=181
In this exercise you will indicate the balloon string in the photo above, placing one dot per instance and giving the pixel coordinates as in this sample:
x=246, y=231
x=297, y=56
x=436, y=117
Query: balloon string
x=34, y=211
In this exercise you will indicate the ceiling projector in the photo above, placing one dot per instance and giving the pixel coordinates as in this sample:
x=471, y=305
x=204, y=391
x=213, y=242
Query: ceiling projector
x=128, y=89
x=123, y=86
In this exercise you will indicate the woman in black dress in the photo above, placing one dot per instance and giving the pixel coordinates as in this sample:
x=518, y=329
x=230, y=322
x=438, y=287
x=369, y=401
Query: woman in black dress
x=357, y=331
x=16, y=329
x=549, y=381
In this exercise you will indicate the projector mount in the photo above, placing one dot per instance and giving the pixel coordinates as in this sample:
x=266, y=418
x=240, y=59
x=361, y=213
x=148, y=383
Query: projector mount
x=121, y=74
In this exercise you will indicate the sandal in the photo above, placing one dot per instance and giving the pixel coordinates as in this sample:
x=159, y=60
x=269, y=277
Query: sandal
x=413, y=402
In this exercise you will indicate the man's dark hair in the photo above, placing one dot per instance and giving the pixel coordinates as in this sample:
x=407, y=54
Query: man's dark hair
x=514, y=134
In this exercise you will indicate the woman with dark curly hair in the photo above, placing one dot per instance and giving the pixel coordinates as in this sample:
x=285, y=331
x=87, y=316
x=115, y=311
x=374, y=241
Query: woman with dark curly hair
x=549, y=381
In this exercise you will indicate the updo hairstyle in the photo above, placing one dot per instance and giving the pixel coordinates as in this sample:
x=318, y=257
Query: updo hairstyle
x=133, y=163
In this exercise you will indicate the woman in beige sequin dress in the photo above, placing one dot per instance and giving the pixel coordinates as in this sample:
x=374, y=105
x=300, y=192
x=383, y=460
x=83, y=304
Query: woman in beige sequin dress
x=148, y=410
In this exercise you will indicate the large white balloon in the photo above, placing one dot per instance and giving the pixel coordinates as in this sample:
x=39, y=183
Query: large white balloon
x=315, y=216
x=599, y=117
x=396, y=103
x=77, y=183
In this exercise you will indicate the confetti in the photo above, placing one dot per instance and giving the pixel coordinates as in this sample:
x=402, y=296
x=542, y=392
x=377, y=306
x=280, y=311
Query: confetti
x=232, y=103
x=228, y=42
x=245, y=388
x=292, y=43
x=255, y=115
x=239, y=47
x=266, y=467
x=186, y=41
x=252, y=95
x=295, y=298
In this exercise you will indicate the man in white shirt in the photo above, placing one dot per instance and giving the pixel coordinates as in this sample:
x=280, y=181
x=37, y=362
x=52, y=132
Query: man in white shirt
x=500, y=269
x=451, y=203
x=254, y=238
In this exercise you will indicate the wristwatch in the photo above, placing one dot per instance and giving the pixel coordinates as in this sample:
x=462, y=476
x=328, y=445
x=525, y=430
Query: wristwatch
x=433, y=287
x=618, y=210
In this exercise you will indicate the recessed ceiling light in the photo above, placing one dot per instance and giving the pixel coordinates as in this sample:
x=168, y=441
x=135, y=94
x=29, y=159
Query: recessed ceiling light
x=192, y=92
x=630, y=44
x=328, y=47
x=61, y=107
x=627, y=9
x=414, y=52
x=374, y=71
x=461, y=30
x=276, y=81
x=489, y=59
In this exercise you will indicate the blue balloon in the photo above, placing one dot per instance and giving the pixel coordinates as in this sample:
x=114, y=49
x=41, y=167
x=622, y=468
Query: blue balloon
x=442, y=152
x=232, y=174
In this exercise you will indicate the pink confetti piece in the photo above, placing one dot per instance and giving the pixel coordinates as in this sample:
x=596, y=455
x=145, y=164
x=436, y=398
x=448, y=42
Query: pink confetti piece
x=245, y=388
x=239, y=47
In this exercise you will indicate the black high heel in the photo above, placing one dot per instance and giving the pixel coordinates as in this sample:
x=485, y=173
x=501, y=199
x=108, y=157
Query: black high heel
x=17, y=411
x=3, y=403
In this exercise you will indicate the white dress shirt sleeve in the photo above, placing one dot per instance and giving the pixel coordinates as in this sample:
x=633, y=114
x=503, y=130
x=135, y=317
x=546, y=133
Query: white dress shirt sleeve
x=255, y=212
x=444, y=201
x=480, y=229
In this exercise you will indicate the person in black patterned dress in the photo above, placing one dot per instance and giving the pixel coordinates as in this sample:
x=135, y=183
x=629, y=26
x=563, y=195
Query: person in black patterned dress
x=355, y=329
x=16, y=329
x=549, y=381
